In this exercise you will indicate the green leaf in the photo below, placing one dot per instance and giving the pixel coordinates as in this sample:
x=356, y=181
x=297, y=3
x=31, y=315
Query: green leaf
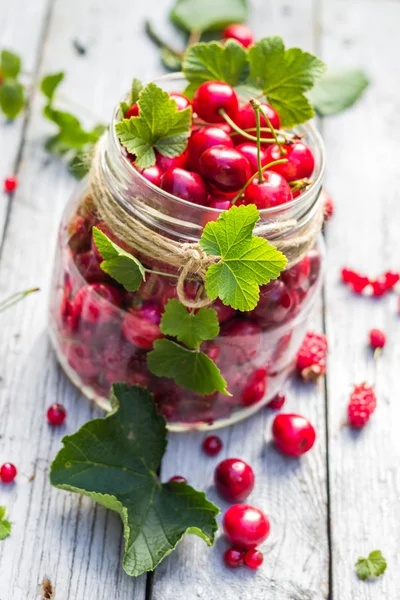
x=188, y=327
x=373, y=566
x=214, y=61
x=247, y=261
x=208, y=15
x=5, y=526
x=49, y=84
x=114, y=461
x=12, y=97
x=285, y=76
x=79, y=164
x=159, y=125
x=71, y=132
x=189, y=368
x=119, y=264
x=337, y=90
x=123, y=107
x=10, y=64
x=136, y=88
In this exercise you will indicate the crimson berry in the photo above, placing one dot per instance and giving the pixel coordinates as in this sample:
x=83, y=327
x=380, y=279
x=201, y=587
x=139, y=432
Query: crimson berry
x=213, y=96
x=255, y=387
x=177, y=479
x=361, y=406
x=213, y=351
x=10, y=184
x=391, y=278
x=186, y=185
x=8, y=473
x=277, y=401
x=225, y=167
x=152, y=174
x=234, y=557
x=219, y=202
x=205, y=138
x=56, y=414
x=249, y=150
x=377, y=339
x=243, y=338
x=246, y=119
x=224, y=313
x=245, y=526
x=239, y=32
x=329, y=208
x=359, y=282
x=79, y=358
x=311, y=358
x=275, y=304
x=272, y=191
x=212, y=445
x=234, y=479
x=165, y=163
x=132, y=111
x=141, y=325
x=293, y=434
x=253, y=558
x=181, y=100
x=347, y=275
x=97, y=303
x=300, y=160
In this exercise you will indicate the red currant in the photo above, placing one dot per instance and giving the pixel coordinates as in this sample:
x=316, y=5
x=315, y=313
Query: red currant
x=225, y=167
x=177, y=479
x=255, y=387
x=224, y=313
x=56, y=414
x=275, y=304
x=245, y=526
x=8, y=473
x=300, y=160
x=234, y=479
x=272, y=191
x=239, y=32
x=97, y=303
x=243, y=338
x=253, y=558
x=293, y=434
x=246, y=119
x=233, y=558
x=181, y=100
x=141, y=325
x=165, y=163
x=10, y=184
x=212, y=445
x=152, y=174
x=213, y=96
x=277, y=401
x=391, y=278
x=205, y=138
x=186, y=185
x=377, y=339
x=132, y=111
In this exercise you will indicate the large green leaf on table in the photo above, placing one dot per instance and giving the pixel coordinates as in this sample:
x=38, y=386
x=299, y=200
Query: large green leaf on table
x=215, y=62
x=119, y=264
x=337, y=90
x=190, y=328
x=208, y=15
x=373, y=566
x=159, y=125
x=114, y=461
x=247, y=261
x=5, y=526
x=12, y=97
x=191, y=369
x=10, y=64
x=285, y=76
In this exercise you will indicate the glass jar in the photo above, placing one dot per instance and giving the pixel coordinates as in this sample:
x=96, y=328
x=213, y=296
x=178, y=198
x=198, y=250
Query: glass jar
x=102, y=333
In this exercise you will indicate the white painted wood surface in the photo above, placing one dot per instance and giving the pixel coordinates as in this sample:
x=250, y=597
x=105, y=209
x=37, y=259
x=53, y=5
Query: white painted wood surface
x=77, y=544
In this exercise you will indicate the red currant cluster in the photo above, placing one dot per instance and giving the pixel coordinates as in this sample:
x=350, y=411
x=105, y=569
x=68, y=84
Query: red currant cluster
x=360, y=283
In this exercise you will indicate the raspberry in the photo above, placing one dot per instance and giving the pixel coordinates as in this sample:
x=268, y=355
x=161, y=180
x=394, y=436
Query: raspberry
x=328, y=208
x=361, y=406
x=311, y=358
x=377, y=339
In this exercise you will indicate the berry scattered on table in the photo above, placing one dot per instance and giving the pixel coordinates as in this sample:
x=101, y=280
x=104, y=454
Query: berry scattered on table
x=311, y=358
x=253, y=558
x=234, y=558
x=361, y=406
x=329, y=208
x=177, y=479
x=239, y=32
x=212, y=444
x=56, y=414
x=245, y=526
x=377, y=339
x=234, y=479
x=277, y=401
x=10, y=184
x=293, y=434
x=8, y=473
x=360, y=283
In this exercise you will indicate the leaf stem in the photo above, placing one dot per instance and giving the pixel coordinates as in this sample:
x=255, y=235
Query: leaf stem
x=160, y=42
x=193, y=38
x=17, y=297
x=280, y=161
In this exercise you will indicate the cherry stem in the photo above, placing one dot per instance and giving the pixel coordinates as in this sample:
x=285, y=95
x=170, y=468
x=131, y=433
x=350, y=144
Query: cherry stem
x=256, y=107
x=193, y=38
x=299, y=184
x=241, y=131
x=260, y=108
x=4, y=304
x=280, y=161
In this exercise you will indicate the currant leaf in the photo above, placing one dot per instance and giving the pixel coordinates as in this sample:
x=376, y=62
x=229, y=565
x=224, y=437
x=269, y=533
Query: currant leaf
x=119, y=264
x=5, y=526
x=160, y=125
x=337, y=90
x=136, y=88
x=12, y=98
x=247, y=261
x=191, y=369
x=50, y=83
x=373, y=566
x=10, y=64
x=114, y=461
x=188, y=327
x=208, y=15
x=285, y=76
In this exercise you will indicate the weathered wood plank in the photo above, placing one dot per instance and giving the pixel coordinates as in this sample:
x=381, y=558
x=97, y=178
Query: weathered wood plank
x=362, y=177
x=293, y=493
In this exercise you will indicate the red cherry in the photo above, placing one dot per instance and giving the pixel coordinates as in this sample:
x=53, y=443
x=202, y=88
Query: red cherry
x=56, y=414
x=152, y=174
x=132, y=111
x=212, y=445
x=277, y=401
x=219, y=202
x=234, y=479
x=249, y=150
x=272, y=191
x=11, y=183
x=79, y=358
x=255, y=387
x=293, y=434
x=377, y=339
x=233, y=558
x=8, y=473
x=245, y=526
x=205, y=138
x=243, y=338
x=213, y=96
x=97, y=303
x=88, y=264
x=165, y=163
x=225, y=167
x=246, y=119
x=213, y=351
x=177, y=479
x=182, y=101
x=253, y=558
x=224, y=313
x=300, y=160
x=141, y=325
x=275, y=304
x=239, y=32
x=186, y=185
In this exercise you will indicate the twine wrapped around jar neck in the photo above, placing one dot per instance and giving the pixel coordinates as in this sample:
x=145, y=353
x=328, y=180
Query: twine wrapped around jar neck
x=188, y=257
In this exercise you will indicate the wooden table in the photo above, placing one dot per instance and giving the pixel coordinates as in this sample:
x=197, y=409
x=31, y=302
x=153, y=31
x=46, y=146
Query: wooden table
x=338, y=502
